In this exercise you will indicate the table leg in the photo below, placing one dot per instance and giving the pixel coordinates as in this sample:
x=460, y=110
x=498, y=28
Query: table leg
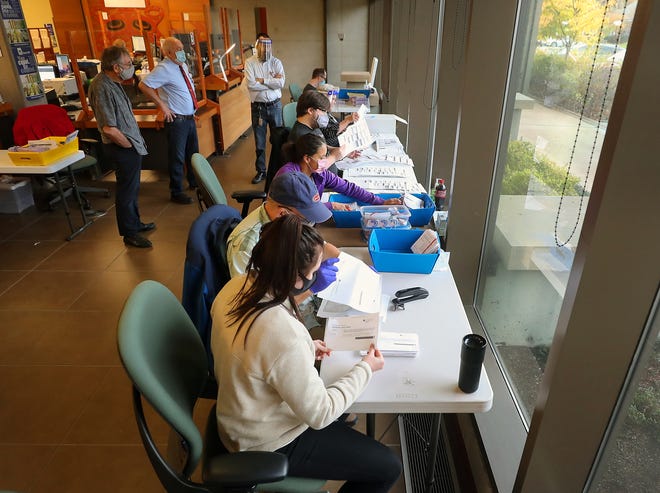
x=371, y=425
x=76, y=193
x=74, y=231
x=67, y=211
x=432, y=452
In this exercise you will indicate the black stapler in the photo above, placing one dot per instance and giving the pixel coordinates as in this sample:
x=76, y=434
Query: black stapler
x=403, y=296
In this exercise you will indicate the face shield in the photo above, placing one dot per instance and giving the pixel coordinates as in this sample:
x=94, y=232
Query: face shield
x=264, y=49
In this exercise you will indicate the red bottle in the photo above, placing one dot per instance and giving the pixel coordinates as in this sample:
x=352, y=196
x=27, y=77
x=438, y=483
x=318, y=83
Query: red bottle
x=440, y=194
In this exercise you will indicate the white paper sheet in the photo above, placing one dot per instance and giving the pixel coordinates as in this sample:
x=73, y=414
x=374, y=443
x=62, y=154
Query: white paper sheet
x=356, y=286
x=329, y=309
x=352, y=333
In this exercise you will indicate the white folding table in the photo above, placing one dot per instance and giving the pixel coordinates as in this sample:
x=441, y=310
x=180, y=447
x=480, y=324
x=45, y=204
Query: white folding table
x=427, y=383
x=54, y=169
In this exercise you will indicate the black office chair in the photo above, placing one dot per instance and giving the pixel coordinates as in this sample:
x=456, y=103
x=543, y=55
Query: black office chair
x=209, y=189
x=46, y=120
x=166, y=362
x=278, y=138
x=205, y=272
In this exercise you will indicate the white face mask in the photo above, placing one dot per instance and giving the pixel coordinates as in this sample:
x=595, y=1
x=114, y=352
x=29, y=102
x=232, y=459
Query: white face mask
x=322, y=119
x=127, y=73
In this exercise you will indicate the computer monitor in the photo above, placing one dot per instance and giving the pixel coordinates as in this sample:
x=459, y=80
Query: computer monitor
x=47, y=72
x=63, y=64
x=138, y=43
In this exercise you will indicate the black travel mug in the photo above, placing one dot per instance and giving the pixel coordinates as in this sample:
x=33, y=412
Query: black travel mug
x=473, y=349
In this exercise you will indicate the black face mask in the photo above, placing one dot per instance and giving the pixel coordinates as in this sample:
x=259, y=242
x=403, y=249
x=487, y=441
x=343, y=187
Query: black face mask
x=307, y=283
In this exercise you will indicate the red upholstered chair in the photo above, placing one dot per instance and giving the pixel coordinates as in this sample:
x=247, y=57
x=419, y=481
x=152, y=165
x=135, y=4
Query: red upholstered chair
x=46, y=120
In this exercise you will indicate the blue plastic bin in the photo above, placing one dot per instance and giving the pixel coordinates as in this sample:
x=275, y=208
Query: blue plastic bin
x=344, y=93
x=390, y=251
x=352, y=219
x=418, y=217
x=346, y=219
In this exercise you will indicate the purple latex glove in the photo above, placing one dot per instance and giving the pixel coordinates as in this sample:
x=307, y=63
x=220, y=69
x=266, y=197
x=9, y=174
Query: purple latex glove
x=326, y=275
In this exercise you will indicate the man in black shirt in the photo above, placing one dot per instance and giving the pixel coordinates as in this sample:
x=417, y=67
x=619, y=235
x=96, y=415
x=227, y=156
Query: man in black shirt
x=319, y=76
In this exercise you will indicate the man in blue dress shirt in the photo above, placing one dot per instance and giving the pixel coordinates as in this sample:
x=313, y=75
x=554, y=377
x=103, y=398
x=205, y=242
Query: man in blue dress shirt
x=171, y=87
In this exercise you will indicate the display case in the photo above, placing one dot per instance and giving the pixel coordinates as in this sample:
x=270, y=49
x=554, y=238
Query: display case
x=226, y=56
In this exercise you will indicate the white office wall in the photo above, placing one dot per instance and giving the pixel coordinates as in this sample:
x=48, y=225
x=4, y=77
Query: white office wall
x=347, y=24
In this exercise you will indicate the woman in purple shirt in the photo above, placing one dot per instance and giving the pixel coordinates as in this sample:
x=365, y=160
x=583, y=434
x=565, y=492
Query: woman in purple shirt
x=308, y=155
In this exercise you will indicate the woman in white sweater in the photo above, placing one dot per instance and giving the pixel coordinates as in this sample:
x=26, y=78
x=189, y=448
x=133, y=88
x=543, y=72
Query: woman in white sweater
x=270, y=395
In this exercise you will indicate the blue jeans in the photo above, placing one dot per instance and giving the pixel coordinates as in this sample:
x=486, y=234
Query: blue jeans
x=127, y=163
x=181, y=145
x=271, y=115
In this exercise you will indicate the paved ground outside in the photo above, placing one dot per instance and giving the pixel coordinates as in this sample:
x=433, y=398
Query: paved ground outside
x=553, y=132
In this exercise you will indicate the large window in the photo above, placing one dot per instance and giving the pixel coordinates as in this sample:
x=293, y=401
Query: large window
x=568, y=69
x=632, y=453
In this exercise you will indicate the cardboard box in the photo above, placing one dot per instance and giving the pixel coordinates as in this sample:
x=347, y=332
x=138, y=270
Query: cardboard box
x=390, y=252
x=15, y=196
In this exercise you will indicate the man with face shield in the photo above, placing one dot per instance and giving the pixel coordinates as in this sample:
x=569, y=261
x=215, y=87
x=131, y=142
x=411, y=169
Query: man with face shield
x=265, y=79
x=171, y=87
x=123, y=144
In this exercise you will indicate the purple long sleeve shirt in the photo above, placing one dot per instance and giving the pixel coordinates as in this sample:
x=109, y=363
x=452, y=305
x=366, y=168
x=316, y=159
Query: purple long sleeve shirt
x=326, y=179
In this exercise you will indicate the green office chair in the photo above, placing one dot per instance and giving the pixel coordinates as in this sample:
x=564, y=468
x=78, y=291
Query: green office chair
x=295, y=91
x=166, y=362
x=209, y=189
x=289, y=114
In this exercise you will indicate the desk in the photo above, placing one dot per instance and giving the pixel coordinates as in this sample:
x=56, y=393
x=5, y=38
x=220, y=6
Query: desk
x=9, y=168
x=427, y=383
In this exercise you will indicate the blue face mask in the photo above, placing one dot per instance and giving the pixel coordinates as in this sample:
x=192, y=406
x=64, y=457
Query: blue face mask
x=180, y=56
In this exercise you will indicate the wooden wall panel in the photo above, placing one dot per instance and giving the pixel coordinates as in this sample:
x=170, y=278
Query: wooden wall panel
x=70, y=27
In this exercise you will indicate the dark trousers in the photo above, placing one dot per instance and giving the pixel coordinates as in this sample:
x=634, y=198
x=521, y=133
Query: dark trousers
x=181, y=145
x=338, y=452
x=127, y=163
x=270, y=115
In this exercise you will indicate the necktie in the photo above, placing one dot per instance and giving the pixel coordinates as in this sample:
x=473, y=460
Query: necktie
x=190, y=88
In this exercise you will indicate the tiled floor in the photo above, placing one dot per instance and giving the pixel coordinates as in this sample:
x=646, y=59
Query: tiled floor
x=66, y=420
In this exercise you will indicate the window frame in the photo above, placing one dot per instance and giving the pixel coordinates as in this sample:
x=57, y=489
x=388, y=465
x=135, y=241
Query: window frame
x=559, y=451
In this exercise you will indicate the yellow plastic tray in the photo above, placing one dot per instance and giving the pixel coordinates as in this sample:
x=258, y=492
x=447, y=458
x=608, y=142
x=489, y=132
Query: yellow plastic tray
x=47, y=157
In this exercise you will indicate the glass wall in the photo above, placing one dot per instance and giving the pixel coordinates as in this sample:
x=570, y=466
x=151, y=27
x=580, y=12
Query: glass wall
x=632, y=453
x=564, y=73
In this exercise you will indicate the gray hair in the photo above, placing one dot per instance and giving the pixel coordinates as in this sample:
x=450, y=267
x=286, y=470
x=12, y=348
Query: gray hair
x=170, y=44
x=111, y=56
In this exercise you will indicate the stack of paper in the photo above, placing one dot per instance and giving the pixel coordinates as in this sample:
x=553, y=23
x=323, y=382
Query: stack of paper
x=352, y=305
x=357, y=136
